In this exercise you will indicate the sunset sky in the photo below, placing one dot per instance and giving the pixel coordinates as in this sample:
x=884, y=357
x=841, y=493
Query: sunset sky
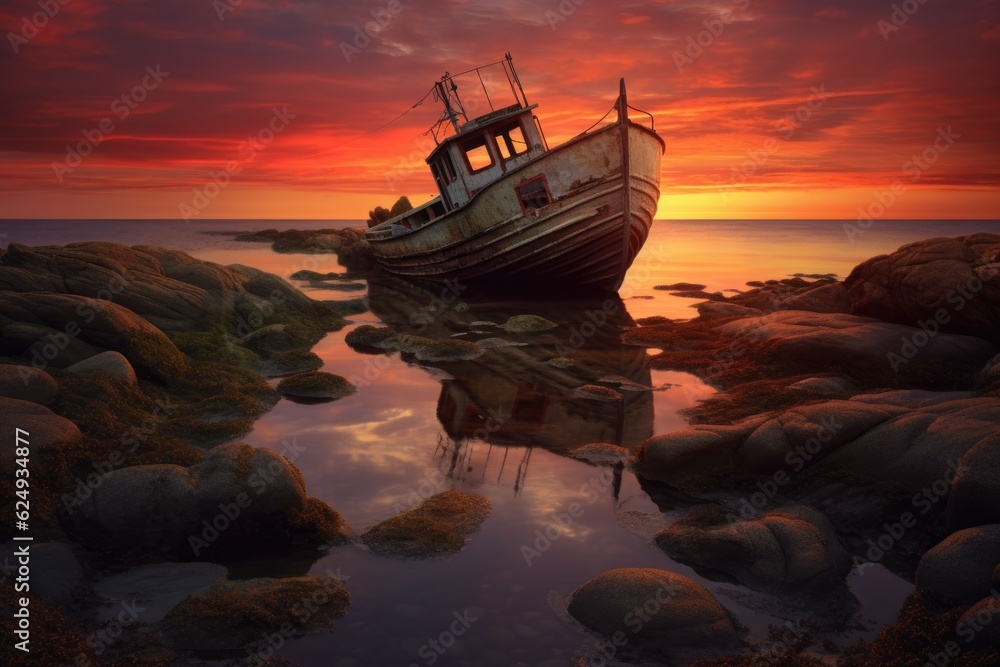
x=887, y=93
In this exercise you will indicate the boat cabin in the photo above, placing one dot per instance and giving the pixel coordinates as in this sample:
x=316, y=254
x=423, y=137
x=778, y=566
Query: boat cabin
x=483, y=150
x=471, y=154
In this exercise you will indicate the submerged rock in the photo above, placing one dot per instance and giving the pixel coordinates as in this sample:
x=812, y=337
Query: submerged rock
x=157, y=588
x=602, y=454
x=440, y=526
x=790, y=550
x=368, y=338
x=596, y=392
x=316, y=385
x=680, y=611
x=527, y=324
x=241, y=615
x=681, y=287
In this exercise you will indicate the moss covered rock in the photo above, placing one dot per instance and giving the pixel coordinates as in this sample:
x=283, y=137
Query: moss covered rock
x=234, y=615
x=440, y=526
x=527, y=324
x=315, y=385
x=212, y=510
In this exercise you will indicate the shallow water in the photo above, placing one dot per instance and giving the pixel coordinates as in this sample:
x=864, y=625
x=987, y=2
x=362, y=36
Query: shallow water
x=500, y=426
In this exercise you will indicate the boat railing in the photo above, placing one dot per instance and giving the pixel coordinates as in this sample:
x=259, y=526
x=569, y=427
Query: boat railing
x=652, y=121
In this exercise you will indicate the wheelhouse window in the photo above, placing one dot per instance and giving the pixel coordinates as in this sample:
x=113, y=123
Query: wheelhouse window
x=477, y=154
x=448, y=170
x=533, y=194
x=510, y=140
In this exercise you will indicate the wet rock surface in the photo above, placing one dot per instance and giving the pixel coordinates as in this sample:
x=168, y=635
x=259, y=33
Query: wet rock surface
x=952, y=279
x=686, y=613
x=960, y=568
x=792, y=550
x=209, y=510
x=27, y=384
x=316, y=386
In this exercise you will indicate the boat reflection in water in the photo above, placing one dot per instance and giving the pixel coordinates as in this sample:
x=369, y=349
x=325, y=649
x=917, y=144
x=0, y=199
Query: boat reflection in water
x=514, y=395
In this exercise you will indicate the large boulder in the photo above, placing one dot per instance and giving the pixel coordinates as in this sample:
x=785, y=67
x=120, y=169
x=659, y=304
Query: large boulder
x=221, y=505
x=169, y=289
x=975, y=491
x=955, y=281
x=790, y=550
x=60, y=578
x=112, y=363
x=829, y=298
x=27, y=384
x=820, y=340
x=912, y=439
x=961, y=567
x=60, y=330
x=653, y=607
x=43, y=429
x=701, y=448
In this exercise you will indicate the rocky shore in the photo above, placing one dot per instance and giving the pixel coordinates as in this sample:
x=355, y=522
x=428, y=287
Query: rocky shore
x=856, y=425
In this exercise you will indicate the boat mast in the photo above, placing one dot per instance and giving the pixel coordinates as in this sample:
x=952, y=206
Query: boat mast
x=623, y=122
x=445, y=96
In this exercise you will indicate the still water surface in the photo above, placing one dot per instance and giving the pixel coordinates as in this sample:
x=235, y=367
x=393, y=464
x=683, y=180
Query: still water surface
x=501, y=426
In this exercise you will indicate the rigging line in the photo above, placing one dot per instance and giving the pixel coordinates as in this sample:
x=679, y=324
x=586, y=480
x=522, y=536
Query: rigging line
x=452, y=76
x=385, y=125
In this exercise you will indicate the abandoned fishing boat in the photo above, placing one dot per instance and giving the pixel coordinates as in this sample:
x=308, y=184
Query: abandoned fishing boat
x=514, y=212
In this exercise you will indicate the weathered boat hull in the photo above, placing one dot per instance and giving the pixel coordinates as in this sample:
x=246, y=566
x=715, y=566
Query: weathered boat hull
x=604, y=190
